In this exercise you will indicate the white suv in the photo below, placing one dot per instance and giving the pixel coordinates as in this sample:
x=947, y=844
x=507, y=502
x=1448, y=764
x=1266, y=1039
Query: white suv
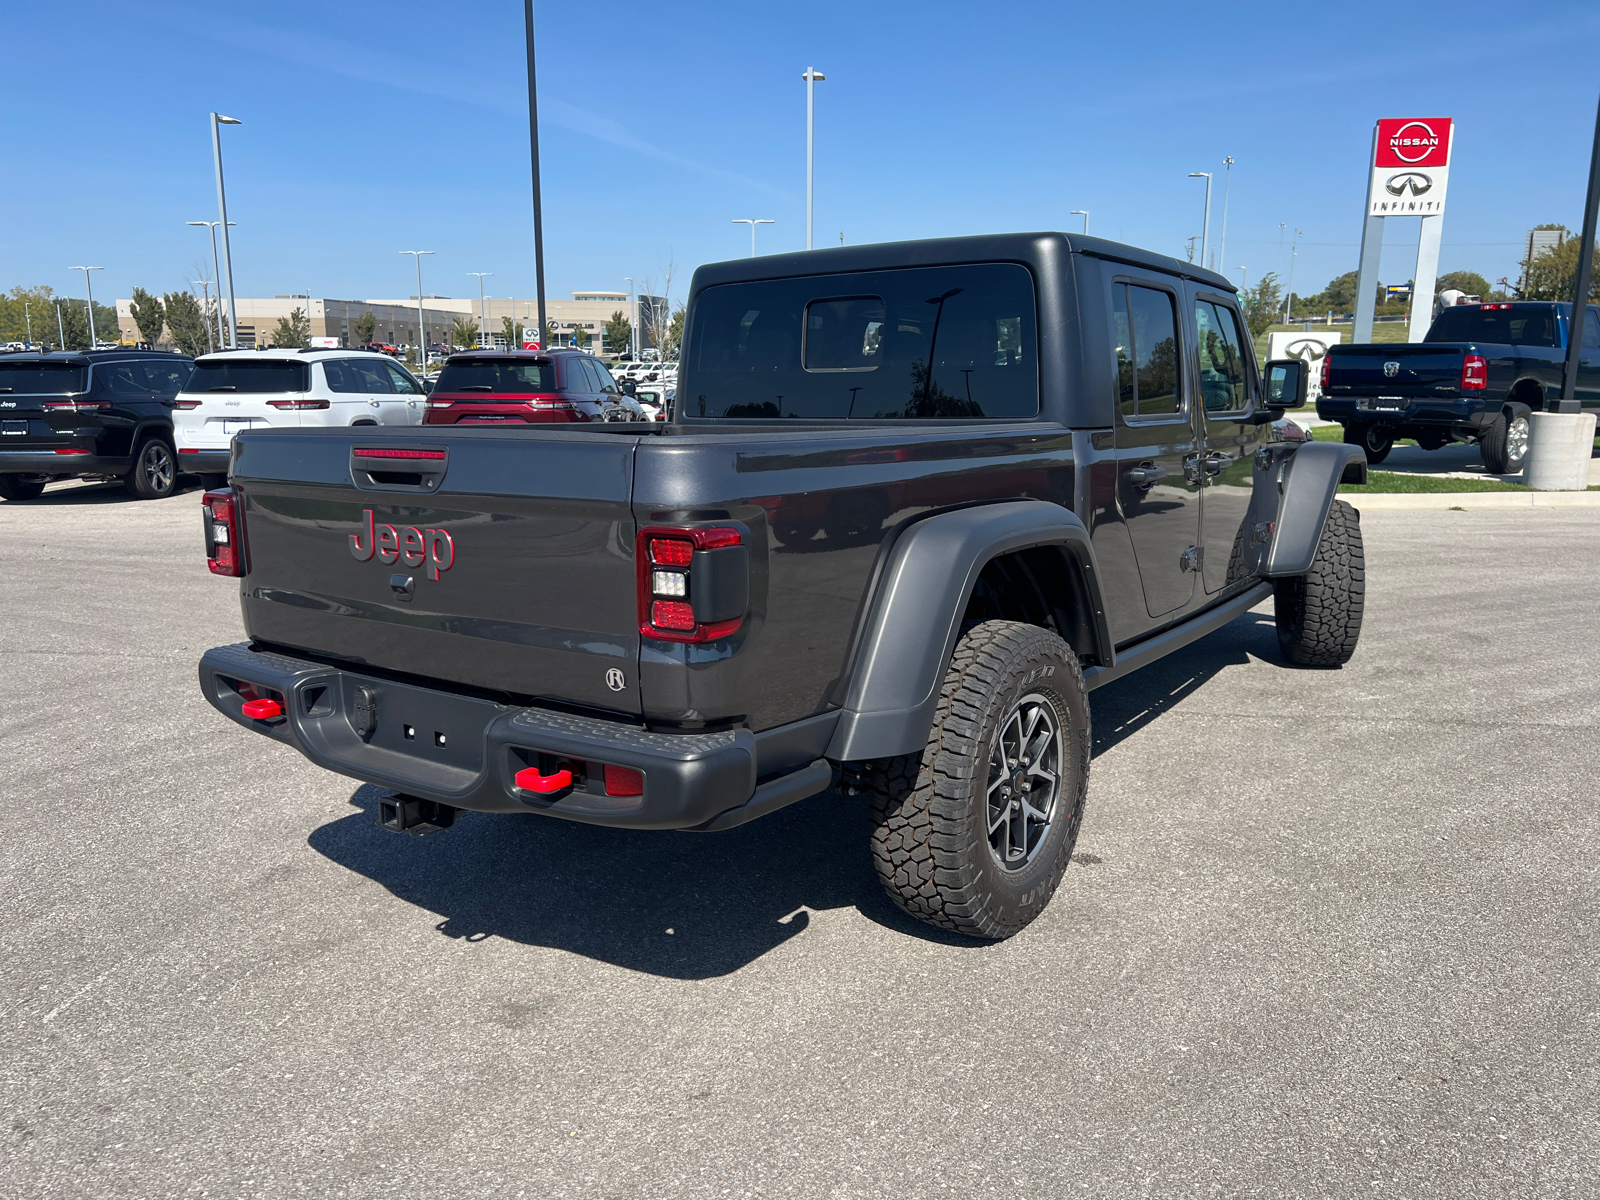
x=238, y=389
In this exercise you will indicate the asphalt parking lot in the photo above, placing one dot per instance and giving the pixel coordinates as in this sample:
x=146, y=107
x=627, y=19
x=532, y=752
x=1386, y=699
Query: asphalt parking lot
x=1328, y=933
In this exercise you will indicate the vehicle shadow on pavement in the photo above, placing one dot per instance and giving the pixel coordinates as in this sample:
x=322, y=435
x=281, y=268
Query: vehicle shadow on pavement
x=681, y=905
x=1120, y=709
x=107, y=492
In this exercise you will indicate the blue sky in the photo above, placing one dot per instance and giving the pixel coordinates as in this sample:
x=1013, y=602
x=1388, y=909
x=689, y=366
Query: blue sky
x=372, y=129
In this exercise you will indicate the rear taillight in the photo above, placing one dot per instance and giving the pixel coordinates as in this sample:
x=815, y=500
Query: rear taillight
x=398, y=454
x=224, y=530
x=694, y=584
x=67, y=451
x=185, y=405
x=296, y=405
x=1474, y=373
x=1327, y=369
x=76, y=405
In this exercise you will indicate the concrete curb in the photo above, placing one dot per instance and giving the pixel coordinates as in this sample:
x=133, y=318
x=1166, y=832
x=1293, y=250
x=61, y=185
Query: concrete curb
x=1392, y=501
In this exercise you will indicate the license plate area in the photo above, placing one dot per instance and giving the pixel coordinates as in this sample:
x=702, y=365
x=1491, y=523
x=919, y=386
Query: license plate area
x=13, y=428
x=1386, y=404
x=232, y=425
x=435, y=728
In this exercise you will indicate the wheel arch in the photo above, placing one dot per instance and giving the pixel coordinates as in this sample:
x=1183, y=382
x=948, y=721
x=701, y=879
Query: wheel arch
x=1527, y=393
x=1307, y=482
x=1010, y=553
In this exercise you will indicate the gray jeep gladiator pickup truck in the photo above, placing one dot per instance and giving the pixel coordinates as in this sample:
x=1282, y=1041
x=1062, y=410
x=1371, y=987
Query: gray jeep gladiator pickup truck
x=915, y=502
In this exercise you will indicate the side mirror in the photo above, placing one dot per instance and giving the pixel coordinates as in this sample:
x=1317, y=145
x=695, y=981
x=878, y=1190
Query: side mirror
x=1287, y=379
x=629, y=386
x=427, y=385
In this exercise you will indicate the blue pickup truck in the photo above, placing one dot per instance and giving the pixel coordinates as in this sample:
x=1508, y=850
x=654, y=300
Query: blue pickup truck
x=1475, y=377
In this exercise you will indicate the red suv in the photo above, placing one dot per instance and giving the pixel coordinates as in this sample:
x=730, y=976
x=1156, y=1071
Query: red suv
x=522, y=386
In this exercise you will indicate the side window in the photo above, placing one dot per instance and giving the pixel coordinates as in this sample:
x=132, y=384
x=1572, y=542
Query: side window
x=404, y=384
x=1145, y=325
x=583, y=379
x=124, y=379
x=1591, y=328
x=1221, y=354
x=607, y=384
x=372, y=375
x=168, y=377
x=340, y=377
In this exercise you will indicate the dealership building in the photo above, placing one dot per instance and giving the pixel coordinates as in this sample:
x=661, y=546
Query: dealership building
x=581, y=318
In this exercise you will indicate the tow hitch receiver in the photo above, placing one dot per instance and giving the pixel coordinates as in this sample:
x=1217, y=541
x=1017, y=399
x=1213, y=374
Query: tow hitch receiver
x=400, y=813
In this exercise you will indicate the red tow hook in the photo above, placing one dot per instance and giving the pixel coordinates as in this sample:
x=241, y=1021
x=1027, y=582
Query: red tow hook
x=262, y=710
x=530, y=780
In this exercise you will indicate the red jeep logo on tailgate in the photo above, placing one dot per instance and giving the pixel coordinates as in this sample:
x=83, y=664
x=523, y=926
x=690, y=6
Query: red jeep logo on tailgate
x=409, y=544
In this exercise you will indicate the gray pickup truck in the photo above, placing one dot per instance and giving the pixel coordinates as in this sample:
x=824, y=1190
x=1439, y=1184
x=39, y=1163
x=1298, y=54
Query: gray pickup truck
x=914, y=503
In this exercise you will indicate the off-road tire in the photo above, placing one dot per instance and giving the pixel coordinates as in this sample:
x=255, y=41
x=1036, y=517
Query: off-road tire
x=930, y=811
x=1504, y=444
x=14, y=487
x=1375, y=441
x=1319, y=613
x=154, y=474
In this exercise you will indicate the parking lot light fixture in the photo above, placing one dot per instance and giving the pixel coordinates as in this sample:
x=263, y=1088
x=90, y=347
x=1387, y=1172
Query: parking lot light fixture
x=217, y=121
x=633, y=332
x=61, y=331
x=212, y=227
x=1084, y=213
x=1222, y=244
x=812, y=77
x=483, y=319
x=752, y=222
x=205, y=286
x=1205, y=230
x=1246, y=285
x=422, y=333
x=90, y=302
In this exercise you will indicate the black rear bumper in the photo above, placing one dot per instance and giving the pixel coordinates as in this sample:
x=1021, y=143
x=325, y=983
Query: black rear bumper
x=466, y=752
x=48, y=462
x=205, y=462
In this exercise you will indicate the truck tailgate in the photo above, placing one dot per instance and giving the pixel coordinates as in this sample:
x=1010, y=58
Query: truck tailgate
x=1419, y=369
x=505, y=564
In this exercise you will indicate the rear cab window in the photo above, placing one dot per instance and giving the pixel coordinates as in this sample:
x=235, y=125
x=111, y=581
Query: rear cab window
x=262, y=377
x=920, y=343
x=1495, y=323
x=42, y=378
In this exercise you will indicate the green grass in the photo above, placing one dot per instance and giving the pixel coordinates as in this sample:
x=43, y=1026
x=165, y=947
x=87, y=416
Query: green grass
x=1392, y=481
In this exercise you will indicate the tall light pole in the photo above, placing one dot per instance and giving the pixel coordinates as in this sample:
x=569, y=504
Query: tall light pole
x=1084, y=213
x=812, y=78
x=215, y=272
x=1288, y=299
x=533, y=152
x=422, y=333
x=1245, y=286
x=205, y=285
x=752, y=222
x=90, y=302
x=218, y=120
x=633, y=330
x=61, y=331
x=1278, y=266
x=1205, y=231
x=1227, y=178
x=483, y=328
x=27, y=318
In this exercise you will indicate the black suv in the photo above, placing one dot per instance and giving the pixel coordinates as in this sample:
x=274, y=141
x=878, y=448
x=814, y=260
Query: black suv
x=89, y=414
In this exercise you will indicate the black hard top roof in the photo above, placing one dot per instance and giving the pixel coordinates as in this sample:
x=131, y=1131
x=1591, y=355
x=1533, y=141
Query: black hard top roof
x=83, y=358
x=1029, y=248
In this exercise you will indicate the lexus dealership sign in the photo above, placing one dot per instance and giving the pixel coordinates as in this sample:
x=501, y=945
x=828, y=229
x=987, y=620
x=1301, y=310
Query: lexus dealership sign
x=1410, y=167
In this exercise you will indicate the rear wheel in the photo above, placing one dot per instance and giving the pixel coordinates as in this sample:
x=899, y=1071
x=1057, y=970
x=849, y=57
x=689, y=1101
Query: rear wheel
x=1319, y=613
x=15, y=487
x=1505, y=444
x=974, y=833
x=155, y=470
x=1375, y=441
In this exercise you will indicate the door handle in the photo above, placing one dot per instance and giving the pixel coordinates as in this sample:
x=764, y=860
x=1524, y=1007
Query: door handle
x=1145, y=475
x=1216, y=464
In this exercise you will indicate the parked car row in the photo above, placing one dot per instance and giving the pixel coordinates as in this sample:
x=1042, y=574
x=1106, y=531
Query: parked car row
x=146, y=417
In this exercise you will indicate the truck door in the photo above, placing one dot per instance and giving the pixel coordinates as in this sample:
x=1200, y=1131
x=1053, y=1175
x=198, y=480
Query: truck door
x=1588, y=387
x=1158, y=480
x=1228, y=441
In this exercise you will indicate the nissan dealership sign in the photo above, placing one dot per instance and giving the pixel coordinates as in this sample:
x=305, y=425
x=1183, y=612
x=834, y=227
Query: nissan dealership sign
x=1410, y=167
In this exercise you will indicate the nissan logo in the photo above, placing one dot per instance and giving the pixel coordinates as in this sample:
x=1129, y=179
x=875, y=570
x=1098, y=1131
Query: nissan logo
x=1414, y=182
x=1391, y=369
x=1306, y=348
x=1400, y=141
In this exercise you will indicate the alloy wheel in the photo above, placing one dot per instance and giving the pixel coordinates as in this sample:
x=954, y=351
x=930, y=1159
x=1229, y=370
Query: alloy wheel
x=1024, y=782
x=1517, y=440
x=155, y=464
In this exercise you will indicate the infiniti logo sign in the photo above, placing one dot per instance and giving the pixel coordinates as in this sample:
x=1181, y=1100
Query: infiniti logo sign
x=1306, y=348
x=1414, y=182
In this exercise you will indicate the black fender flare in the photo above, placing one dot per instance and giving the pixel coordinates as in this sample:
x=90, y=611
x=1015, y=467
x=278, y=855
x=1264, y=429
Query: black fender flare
x=150, y=427
x=915, y=614
x=1307, y=481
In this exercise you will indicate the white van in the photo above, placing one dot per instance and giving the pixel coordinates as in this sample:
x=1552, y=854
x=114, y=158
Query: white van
x=240, y=389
